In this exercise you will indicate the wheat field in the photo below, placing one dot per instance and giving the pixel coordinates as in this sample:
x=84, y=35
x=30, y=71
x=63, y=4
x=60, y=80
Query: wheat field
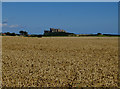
x=59, y=61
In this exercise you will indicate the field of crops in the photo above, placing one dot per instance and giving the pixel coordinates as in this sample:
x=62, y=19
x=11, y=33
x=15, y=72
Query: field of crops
x=60, y=61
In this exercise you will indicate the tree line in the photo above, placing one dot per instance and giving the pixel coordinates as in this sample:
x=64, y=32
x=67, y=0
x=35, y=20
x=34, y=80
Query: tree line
x=21, y=33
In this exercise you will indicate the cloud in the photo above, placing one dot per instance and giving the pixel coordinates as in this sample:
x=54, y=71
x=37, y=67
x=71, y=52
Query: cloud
x=8, y=26
x=13, y=26
x=3, y=25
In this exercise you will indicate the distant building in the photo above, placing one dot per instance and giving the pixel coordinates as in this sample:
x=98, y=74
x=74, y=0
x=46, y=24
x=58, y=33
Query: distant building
x=53, y=30
x=56, y=32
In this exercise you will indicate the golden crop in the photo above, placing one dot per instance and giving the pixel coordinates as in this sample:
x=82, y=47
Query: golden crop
x=60, y=61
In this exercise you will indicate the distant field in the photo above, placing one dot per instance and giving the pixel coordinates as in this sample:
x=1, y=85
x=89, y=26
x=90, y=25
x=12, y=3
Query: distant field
x=60, y=61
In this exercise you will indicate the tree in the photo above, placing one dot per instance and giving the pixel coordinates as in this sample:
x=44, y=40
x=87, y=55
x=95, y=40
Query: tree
x=8, y=33
x=21, y=32
x=99, y=34
x=13, y=34
x=24, y=33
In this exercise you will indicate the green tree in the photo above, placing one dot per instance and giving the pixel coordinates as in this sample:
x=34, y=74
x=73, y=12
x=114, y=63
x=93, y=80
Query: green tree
x=24, y=33
x=21, y=32
x=99, y=34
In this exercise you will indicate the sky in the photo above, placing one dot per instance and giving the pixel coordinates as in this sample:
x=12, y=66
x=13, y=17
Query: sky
x=60, y=0
x=75, y=17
